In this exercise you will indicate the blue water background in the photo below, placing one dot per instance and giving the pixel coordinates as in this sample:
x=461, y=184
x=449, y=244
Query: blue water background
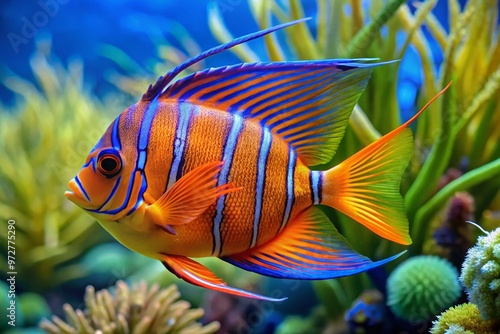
x=79, y=28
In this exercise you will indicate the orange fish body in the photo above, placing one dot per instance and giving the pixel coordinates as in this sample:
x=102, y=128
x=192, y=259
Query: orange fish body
x=218, y=164
x=237, y=231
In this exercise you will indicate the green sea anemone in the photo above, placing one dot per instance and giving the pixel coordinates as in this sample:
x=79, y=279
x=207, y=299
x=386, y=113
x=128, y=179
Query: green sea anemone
x=422, y=286
x=481, y=275
x=464, y=318
x=136, y=310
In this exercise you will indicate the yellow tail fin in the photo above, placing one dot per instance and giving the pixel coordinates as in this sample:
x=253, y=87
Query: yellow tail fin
x=365, y=187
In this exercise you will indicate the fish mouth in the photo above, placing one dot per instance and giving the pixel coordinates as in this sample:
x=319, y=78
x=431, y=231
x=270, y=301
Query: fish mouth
x=76, y=194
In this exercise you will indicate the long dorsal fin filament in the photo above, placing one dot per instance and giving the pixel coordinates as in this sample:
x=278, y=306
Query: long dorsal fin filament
x=162, y=82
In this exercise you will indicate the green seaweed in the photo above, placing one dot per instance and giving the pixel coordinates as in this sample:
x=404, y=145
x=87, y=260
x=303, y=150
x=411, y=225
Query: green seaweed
x=46, y=136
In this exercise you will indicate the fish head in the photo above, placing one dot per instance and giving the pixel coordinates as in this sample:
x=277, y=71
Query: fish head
x=101, y=186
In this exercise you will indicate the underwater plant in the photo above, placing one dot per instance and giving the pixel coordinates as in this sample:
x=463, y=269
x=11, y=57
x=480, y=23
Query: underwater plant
x=421, y=287
x=452, y=236
x=481, y=275
x=463, y=319
x=136, y=77
x=315, y=322
x=136, y=309
x=45, y=134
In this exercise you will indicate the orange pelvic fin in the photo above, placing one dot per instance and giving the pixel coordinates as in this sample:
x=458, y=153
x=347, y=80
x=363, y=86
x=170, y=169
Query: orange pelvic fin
x=365, y=187
x=188, y=197
x=199, y=275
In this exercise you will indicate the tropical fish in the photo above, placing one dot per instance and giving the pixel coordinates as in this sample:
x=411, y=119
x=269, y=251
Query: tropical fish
x=218, y=164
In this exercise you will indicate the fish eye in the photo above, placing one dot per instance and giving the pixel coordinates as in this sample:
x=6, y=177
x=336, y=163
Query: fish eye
x=109, y=163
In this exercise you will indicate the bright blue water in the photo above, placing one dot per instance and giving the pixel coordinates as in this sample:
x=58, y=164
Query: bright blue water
x=79, y=28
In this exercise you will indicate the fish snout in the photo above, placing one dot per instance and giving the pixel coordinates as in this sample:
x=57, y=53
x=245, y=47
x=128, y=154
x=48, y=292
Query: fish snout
x=77, y=194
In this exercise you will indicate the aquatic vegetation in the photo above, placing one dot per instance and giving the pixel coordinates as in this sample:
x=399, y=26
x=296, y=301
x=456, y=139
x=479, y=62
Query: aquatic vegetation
x=45, y=135
x=421, y=287
x=481, y=275
x=463, y=318
x=463, y=127
x=452, y=236
x=136, y=309
x=136, y=77
x=315, y=322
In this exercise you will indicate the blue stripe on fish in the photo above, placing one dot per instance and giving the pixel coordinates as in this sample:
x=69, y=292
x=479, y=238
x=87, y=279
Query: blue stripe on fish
x=265, y=146
x=249, y=111
x=91, y=162
x=112, y=193
x=142, y=143
x=290, y=196
x=82, y=188
x=125, y=201
x=321, y=96
x=141, y=161
x=229, y=148
x=315, y=179
x=142, y=190
x=199, y=88
x=185, y=113
x=115, y=135
x=145, y=130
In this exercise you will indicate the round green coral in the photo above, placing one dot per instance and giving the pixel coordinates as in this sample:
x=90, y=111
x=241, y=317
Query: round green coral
x=464, y=318
x=481, y=275
x=422, y=286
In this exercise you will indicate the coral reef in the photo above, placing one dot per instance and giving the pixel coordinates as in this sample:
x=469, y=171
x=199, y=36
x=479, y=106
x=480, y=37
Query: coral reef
x=481, y=275
x=131, y=310
x=421, y=287
x=463, y=318
x=454, y=236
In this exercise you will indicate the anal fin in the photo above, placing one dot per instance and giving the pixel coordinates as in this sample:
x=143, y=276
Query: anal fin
x=309, y=247
x=199, y=275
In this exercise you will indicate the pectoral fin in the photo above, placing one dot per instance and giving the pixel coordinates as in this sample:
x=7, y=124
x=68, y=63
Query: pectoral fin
x=189, y=197
x=199, y=275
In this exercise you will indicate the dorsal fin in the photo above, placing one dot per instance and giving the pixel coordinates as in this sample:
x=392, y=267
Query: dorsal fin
x=306, y=103
x=162, y=82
